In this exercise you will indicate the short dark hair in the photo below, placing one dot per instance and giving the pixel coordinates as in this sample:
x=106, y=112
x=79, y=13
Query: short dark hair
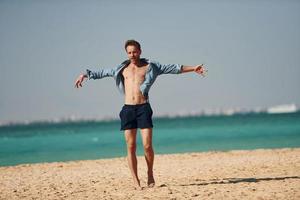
x=132, y=43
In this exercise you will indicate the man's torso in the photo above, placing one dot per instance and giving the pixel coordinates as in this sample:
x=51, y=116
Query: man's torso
x=134, y=76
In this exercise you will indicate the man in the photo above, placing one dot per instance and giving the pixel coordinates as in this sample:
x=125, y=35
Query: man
x=134, y=77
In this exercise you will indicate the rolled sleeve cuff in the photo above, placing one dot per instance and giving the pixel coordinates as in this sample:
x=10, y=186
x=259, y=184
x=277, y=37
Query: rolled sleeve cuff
x=89, y=74
x=179, y=68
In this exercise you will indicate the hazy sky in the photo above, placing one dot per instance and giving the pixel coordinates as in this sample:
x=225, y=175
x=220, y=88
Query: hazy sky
x=250, y=48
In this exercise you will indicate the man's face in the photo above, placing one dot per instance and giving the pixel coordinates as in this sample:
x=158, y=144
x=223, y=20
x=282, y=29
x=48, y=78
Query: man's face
x=133, y=53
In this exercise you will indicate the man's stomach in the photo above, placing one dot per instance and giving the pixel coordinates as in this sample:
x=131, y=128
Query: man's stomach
x=134, y=98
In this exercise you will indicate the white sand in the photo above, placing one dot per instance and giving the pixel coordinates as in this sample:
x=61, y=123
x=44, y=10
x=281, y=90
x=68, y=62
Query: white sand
x=258, y=174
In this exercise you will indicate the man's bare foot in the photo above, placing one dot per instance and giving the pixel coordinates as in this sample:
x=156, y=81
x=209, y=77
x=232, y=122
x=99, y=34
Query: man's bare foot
x=137, y=185
x=151, y=181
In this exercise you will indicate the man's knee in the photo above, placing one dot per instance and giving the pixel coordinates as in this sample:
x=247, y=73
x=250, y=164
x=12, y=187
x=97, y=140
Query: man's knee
x=148, y=148
x=131, y=146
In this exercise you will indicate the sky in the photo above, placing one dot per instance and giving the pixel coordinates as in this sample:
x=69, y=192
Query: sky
x=250, y=48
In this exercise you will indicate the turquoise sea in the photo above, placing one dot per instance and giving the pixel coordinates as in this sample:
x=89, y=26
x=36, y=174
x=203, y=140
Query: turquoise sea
x=49, y=142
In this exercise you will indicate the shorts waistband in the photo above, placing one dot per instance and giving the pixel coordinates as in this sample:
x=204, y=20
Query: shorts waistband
x=135, y=105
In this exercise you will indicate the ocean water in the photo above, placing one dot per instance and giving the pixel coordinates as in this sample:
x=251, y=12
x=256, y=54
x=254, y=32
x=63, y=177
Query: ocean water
x=50, y=142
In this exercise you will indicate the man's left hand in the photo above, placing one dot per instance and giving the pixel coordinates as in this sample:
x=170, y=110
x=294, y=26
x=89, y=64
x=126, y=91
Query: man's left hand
x=200, y=70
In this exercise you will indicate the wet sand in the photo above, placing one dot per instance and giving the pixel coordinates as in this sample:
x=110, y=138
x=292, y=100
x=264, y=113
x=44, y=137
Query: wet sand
x=258, y=174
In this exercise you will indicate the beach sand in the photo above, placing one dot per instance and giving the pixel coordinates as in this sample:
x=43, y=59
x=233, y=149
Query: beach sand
x=258, y=174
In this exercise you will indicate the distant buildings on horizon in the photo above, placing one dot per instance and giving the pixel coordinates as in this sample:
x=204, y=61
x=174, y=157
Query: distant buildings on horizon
x=284, y=108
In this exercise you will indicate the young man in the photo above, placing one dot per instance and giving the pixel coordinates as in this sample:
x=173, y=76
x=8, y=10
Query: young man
x=134, y=77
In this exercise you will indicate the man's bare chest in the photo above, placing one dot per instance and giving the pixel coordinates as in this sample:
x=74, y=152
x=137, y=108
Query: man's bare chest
x=135, y=73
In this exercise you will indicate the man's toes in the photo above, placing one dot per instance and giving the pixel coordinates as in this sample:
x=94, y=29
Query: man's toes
x=151, y=182
x=151, y=185
x=138, y=188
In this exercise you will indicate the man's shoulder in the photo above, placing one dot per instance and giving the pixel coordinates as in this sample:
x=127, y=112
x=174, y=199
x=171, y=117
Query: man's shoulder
x=122, y=65
x=151, y=62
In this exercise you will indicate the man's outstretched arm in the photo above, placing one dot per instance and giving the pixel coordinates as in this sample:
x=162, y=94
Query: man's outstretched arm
x=101, y=73
x=177, y=69
x=198, y=69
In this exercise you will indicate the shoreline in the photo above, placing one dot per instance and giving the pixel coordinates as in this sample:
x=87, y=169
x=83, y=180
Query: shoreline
x=236, y=174
x=156, y=154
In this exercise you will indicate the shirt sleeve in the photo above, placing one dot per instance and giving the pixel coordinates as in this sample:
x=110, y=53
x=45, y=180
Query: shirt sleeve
x=169, y=68
x=100, y=73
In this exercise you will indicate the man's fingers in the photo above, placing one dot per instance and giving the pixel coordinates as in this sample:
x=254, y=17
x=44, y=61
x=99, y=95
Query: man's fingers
x=204, y=72
x=77, y=83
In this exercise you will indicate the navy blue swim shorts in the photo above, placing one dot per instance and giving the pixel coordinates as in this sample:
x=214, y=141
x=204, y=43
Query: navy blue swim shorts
x=136, y=116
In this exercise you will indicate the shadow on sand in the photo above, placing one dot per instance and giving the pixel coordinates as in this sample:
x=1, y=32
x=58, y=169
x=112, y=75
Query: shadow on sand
x=233, y=181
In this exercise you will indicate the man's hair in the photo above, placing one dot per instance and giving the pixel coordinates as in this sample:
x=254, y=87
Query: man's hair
x=132, y=43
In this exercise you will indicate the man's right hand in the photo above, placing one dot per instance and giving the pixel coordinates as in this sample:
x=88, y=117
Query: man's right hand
x=79, y=80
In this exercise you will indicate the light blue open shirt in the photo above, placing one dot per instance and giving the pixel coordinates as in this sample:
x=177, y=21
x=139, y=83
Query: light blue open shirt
x=155, y=69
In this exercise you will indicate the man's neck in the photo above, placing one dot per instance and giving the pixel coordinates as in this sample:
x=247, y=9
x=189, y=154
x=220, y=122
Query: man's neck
x=136, y=63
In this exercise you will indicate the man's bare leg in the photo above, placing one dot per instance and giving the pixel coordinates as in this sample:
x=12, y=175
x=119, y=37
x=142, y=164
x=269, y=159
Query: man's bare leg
x=130, y=136
x=149, y=153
